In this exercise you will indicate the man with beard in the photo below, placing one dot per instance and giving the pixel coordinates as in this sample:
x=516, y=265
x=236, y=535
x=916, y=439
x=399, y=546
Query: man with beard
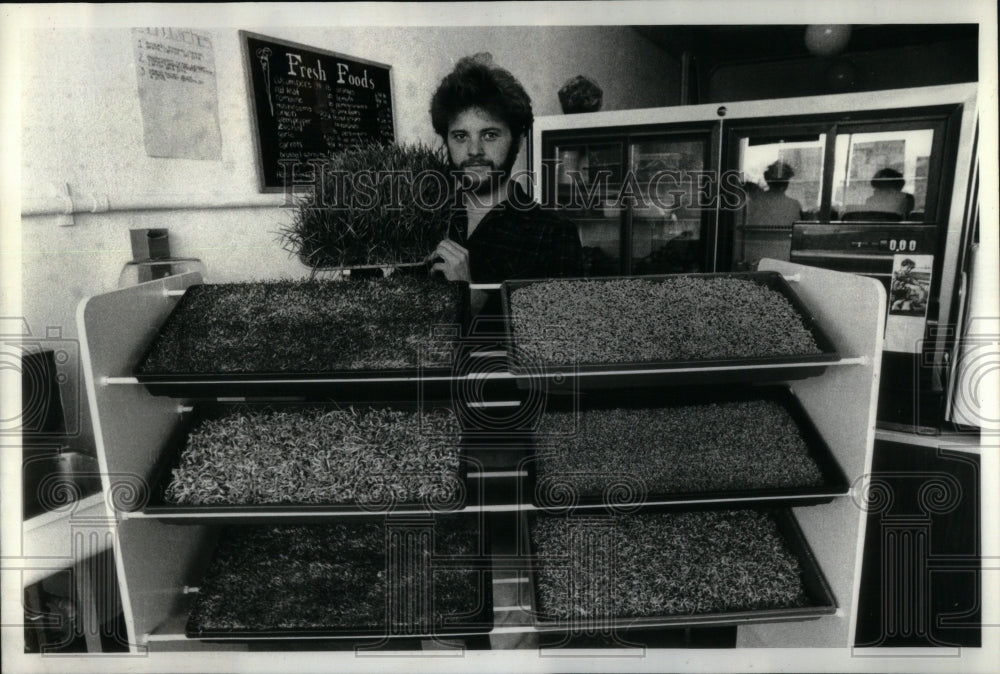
x=497, y=232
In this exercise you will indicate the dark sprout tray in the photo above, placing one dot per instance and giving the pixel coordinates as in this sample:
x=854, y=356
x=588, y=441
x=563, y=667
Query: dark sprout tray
x=549, y=492
x=370, y=384
x=157, y=506
x=819, y=595
x=674, y=372
x=265, y=585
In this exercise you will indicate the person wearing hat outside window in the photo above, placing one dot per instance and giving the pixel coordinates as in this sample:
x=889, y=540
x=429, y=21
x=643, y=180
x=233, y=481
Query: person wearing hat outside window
x=888, y=196
x=769, y=210
x=774, y=207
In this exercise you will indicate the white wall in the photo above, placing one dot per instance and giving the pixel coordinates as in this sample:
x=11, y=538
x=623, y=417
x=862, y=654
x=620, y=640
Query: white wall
x=82, y=126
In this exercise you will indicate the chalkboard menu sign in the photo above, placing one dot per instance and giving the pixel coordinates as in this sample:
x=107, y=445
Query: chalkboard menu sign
x=307, y=103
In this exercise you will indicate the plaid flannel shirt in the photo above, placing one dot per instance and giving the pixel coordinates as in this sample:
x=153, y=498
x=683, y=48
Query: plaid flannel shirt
x=515, y=240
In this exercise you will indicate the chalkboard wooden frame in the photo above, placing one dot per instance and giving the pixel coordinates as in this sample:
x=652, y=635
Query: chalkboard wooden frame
x=268, y=136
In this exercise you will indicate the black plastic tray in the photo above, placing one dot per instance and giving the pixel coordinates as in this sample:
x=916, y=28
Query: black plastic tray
x=170, y=456
x=479, y=622
x=817, y=590
x=676, y=372
x=834, y=480
x=370, y=384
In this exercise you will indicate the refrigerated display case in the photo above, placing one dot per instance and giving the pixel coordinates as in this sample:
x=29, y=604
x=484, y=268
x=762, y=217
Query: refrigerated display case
x=877, y=178
x=637, y=196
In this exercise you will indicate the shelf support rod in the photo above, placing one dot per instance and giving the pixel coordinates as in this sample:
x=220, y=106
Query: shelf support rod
x=107, y=381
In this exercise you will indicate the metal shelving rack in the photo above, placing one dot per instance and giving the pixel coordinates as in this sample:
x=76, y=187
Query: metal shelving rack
x=158, y=561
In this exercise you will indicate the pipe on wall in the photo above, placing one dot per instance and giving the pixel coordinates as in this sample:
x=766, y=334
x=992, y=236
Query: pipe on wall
x=64, y=201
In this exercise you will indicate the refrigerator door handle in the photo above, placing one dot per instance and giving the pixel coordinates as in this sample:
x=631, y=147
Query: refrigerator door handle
x=952, y=356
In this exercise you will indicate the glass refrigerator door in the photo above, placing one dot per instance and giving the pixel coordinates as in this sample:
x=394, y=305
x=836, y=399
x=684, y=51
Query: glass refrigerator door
x=673, y=204
x=588, y=177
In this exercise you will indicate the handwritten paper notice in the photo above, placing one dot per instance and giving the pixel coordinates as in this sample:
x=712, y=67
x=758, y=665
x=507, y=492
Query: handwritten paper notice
x=175, y=69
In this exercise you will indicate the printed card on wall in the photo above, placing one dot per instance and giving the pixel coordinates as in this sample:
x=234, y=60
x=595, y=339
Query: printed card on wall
x=909, y=292
x=175, y=69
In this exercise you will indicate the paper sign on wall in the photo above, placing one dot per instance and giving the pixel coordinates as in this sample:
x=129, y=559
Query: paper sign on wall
x=909, y=293
x=175, y=69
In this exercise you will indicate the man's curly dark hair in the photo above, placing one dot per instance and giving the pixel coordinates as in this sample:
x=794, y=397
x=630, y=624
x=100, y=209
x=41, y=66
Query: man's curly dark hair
x=477, y=83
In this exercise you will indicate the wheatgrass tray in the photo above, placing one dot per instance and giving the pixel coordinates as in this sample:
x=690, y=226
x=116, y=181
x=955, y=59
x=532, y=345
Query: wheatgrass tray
x=360, y=579
x=672, y=569
x=676, y=448
x=612, y=339
x=232, y=461
x=281, y=338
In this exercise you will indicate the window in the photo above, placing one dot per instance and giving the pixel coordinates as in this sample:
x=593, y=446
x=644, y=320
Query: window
x=881, y=175
x=803, y=157
x=876, y=167
x=783, y=180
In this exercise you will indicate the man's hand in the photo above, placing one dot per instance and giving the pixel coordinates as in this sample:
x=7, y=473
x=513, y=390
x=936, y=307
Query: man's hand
x=452, y=260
